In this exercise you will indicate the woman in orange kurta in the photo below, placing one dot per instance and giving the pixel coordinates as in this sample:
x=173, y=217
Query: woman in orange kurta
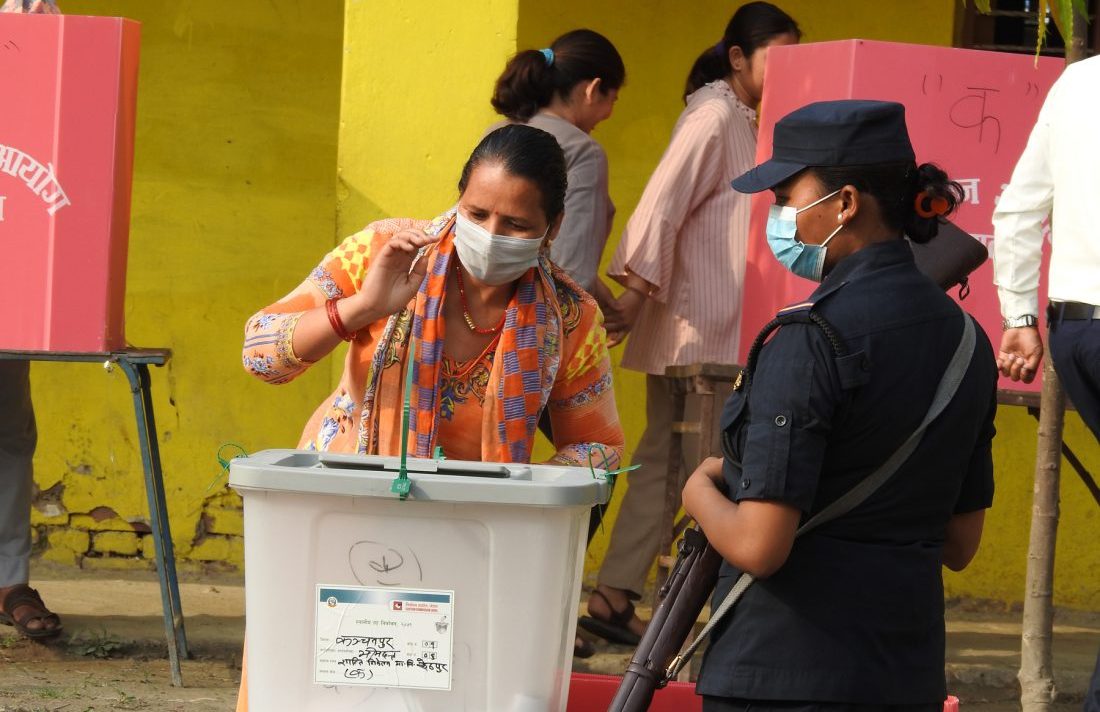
x=500, y=333
x=490, y=354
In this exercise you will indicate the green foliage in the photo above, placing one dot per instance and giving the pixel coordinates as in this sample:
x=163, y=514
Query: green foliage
x=1061, y=11
x=99, y=644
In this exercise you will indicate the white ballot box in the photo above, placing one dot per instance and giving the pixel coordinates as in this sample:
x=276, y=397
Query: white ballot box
x=462, y=597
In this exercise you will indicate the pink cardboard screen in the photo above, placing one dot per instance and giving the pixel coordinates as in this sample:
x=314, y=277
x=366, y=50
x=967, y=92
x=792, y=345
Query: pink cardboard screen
x=66, y=161
x=970, y=112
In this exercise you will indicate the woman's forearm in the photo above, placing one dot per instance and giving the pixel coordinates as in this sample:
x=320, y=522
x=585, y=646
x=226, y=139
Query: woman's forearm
x=314, y=335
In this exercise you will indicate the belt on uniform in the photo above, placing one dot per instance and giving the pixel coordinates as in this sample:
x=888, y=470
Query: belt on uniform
x=1060, y=311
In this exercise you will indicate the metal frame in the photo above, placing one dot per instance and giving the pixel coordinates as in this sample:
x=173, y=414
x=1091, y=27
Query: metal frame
x=135, y=364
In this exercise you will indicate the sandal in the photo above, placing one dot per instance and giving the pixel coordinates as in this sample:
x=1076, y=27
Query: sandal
x=25, y=596
x=582, y=648
x=614, y=629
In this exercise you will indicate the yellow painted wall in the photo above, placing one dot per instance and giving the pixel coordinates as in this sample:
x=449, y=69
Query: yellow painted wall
x=268, y=129
x=417, y=80
x=998, y=571
x=659, y=40
x=233, y=200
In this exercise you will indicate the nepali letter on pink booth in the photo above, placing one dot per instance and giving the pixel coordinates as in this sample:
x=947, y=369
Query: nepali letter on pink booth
x=968, y=111
x=69, y=87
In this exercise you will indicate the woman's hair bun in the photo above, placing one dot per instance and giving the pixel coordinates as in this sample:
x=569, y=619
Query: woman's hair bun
x=935, y=196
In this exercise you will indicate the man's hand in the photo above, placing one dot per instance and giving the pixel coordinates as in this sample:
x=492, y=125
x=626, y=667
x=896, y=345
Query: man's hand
x=1021, y=353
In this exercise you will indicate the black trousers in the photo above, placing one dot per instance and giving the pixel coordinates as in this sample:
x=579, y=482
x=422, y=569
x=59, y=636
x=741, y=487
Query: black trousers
x=595, y=515
x=726, y=704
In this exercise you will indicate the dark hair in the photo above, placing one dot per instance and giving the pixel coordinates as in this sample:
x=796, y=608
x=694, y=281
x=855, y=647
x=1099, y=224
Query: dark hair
x=895, y=187
x=751, y=27
x=531, y=79
x=526, y=152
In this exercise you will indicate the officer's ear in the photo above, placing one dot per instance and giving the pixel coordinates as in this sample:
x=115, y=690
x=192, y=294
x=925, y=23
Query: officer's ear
x=850, y=202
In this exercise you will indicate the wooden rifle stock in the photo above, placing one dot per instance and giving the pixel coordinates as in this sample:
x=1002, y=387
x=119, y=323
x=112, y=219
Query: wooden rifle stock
x=683, y=596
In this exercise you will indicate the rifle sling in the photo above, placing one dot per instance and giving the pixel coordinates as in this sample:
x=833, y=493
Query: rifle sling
x=945, y=391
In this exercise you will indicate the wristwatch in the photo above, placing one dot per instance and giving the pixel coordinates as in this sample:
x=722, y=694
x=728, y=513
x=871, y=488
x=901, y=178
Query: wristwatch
x=1019, y=322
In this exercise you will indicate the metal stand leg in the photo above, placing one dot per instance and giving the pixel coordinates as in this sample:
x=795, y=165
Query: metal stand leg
x=138, y=373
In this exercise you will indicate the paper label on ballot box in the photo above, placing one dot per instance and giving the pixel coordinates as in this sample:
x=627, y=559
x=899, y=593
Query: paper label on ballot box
x=384, y=637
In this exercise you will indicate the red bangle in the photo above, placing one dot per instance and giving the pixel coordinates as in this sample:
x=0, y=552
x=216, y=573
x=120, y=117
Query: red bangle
x=335, y=321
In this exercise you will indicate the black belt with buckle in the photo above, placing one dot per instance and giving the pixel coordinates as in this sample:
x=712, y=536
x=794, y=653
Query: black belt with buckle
x=1061, y=311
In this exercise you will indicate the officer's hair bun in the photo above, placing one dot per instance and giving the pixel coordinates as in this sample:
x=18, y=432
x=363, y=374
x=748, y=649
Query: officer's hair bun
x=911, y=199
x=934, y=197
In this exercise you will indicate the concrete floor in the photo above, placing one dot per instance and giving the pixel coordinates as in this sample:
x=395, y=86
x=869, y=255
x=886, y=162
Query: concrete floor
x=101, y=611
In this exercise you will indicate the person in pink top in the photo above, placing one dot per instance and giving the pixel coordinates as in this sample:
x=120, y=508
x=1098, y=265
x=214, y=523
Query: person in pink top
x=682, y=260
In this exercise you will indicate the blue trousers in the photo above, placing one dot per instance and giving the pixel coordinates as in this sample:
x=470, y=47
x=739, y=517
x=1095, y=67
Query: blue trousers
x=1075, y=348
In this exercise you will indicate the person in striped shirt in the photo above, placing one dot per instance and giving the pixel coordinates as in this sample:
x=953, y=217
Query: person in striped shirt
x=682, y=259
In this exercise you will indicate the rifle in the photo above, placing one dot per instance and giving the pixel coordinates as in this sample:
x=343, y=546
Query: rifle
x=683, y=596
x=948, y=261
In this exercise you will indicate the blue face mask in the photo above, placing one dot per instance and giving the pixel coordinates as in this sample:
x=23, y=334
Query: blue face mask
x=804, y=260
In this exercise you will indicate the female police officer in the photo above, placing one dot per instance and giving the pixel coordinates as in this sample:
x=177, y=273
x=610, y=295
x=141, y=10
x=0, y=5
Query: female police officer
x=849, y=616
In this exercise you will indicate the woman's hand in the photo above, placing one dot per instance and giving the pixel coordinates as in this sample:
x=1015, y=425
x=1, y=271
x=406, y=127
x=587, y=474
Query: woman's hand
x=706, y=482
x=630, y=304
x=391, y=282
x=613, y=321
x=632, y=300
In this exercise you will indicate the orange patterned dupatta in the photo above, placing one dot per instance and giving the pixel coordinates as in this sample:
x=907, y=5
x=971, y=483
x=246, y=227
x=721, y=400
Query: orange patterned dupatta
x=552, y=354
x=523, y=373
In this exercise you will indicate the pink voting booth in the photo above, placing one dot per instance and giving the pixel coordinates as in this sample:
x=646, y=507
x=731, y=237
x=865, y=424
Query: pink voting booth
x=69, y=85
x=968, y=111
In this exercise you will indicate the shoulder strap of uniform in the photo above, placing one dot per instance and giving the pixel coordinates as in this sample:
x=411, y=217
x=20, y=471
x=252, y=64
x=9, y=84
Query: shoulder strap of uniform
x=800, y=313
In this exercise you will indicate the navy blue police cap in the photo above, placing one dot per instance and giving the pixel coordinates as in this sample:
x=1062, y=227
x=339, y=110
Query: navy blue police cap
x=847, y=132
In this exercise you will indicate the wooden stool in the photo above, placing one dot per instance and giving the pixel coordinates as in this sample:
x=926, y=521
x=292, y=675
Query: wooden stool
x=698, y=379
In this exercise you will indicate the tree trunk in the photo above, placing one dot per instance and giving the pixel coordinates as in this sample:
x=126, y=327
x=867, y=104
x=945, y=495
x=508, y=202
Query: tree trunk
x=1037, y=690
x=1077, y=47
x=1036, y=658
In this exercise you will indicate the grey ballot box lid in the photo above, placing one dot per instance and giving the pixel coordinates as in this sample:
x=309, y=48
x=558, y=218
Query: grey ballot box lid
x=455, y=481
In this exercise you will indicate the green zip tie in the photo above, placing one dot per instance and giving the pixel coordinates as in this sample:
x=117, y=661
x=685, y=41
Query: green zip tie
x=225, y=463
x=608, y=476
x=401, y=484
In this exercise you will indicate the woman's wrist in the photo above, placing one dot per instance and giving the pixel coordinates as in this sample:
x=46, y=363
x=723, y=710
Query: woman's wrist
x=634, y=283
x=355, y=315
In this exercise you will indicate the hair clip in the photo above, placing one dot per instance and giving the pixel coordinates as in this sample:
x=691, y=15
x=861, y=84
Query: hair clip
x=548, y=54
x=720, y=48
x=928, y=206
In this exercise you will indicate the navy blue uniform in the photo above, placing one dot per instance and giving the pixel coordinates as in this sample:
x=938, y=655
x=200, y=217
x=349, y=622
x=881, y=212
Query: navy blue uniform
x=855, y=615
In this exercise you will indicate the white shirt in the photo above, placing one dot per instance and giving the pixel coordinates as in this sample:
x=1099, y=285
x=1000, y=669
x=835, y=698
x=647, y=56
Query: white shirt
x=1059, y=168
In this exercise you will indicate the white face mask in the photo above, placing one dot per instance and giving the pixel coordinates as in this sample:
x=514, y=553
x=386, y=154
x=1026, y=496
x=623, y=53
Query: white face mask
x=494, y=259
